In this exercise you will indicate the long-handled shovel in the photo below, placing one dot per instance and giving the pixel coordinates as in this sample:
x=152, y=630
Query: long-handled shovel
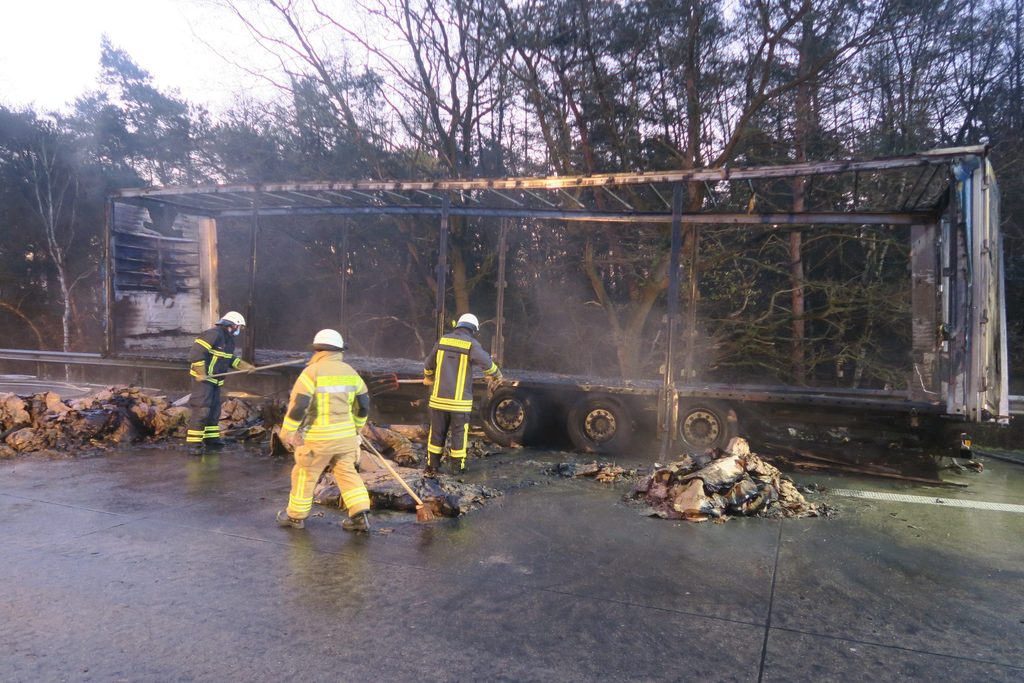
x=295, y=361
x=423, y=513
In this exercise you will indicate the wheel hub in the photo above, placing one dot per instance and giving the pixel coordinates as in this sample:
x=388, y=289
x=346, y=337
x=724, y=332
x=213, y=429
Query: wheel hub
x=701, y=428
x=509, y=414
x=600, y=425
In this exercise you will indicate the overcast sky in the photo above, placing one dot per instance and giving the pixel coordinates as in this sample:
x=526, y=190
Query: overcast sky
x=49, y=49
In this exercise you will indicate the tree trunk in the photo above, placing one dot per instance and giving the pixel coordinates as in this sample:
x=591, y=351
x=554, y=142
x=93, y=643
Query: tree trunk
x=460, y=284
x=66, y=317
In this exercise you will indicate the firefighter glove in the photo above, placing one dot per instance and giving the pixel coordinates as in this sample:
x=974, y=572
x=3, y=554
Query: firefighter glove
x=429, y=381
x=245, y=366
x=291, y=439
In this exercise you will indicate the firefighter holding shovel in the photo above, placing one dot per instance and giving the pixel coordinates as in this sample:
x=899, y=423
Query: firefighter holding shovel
x=448, y=370
x=212, y=354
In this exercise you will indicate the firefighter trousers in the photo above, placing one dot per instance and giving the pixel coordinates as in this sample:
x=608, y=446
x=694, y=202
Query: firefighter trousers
x=443, y=422
x=204, y=421
x=311, y=459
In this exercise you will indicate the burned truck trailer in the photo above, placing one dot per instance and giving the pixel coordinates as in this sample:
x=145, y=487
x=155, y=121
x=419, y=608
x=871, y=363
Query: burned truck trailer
x=165, y=272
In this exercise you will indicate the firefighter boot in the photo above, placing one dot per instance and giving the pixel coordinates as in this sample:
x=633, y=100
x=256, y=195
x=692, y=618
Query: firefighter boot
x=196, y=449
x=432, y=463
x=284, y=520
x=457, y=466
x=361, y=522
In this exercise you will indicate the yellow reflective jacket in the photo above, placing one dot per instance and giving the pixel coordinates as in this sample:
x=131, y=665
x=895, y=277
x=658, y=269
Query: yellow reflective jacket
x=323, y=399
x=450, y=365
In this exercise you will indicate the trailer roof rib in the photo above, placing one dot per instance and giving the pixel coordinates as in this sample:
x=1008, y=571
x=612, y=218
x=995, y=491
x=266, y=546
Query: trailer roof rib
x=578, y=198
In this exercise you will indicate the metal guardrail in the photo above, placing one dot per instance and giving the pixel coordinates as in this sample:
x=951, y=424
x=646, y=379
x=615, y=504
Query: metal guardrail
x=80, y=358
x=1016, y=405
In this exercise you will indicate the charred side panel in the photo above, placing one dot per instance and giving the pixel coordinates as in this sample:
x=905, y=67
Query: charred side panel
x=993, y=388
x=978, y=383
x=207, y=233
x=161, y=267
x=986, y=385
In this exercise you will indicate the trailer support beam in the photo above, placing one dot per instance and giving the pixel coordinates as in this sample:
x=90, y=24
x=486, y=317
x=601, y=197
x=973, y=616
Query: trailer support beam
x=771, y=221
x=689, y=371
x=670, y=398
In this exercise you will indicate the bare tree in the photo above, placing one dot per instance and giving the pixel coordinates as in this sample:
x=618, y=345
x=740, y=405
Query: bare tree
x=55, y=192
x=605, y=95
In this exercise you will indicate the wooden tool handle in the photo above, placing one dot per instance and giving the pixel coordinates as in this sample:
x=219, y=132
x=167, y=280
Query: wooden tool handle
x=296, y=361
x=381, y=460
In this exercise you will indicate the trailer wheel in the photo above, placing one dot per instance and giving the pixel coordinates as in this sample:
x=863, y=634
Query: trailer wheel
x=512, y=417
x=598, y=424
x=706, y=423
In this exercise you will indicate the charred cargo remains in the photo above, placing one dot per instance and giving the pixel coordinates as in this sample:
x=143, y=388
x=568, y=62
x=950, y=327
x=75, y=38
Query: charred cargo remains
x=719, y=484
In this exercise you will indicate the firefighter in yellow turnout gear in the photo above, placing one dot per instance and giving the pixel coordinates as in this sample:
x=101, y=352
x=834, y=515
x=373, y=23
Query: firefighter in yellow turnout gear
x=449, y=370
x=328, y=406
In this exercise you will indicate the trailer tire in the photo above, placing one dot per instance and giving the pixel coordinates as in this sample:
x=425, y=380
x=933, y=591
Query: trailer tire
x=706, y=423
x=512, y=417
x=599, y=424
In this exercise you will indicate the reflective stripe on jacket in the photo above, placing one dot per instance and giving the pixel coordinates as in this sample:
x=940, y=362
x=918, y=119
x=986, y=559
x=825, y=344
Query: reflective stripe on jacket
x=328, y=388
x=450, y=364
x=212, y=353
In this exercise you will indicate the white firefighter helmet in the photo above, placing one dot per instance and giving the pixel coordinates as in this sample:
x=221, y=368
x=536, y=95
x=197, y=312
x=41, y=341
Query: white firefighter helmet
x=330, y=338
x=469, y=321
x=232, y=318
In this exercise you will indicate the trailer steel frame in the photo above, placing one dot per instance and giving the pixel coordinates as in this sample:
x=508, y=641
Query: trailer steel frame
x=579, y=198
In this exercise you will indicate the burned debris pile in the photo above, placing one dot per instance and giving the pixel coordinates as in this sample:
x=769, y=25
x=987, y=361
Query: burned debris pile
x=479, y=446
x=719, y=484
x=605, y=472
x=444, y=496
x=46, y=423
x=405, y=445
x=390, y=442
x=241, y=420
x=394, y=445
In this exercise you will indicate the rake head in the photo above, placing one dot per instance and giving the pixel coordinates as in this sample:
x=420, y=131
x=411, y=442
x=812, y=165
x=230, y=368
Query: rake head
x=423, y=514
x=382, y=384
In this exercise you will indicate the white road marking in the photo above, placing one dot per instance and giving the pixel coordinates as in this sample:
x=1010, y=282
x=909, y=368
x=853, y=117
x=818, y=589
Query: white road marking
x=928, y=500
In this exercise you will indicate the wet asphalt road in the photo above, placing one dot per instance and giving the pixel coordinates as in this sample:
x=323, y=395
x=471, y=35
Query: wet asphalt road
x=146, y=565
